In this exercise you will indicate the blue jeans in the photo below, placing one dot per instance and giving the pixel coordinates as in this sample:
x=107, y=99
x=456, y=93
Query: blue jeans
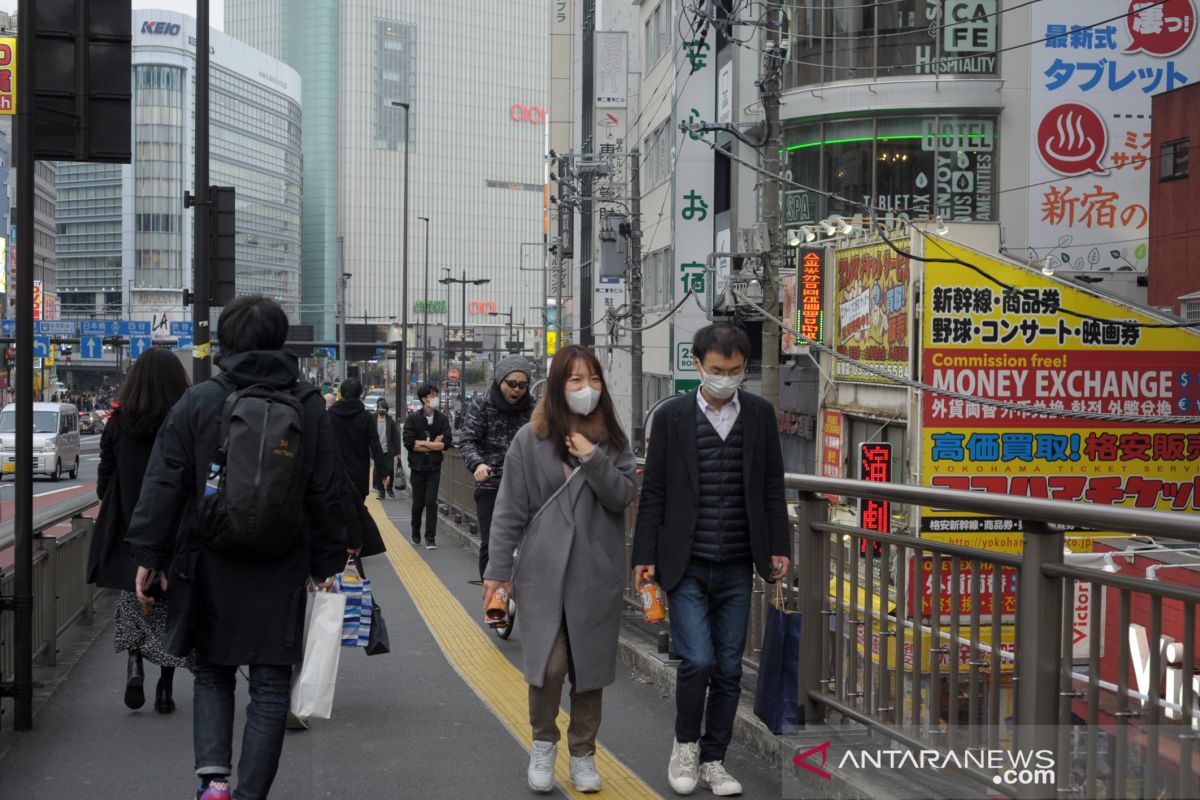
x=262, y=739
x=710, y=611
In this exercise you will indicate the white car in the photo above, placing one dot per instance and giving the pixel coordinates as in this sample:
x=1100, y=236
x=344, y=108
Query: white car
x=55, y=440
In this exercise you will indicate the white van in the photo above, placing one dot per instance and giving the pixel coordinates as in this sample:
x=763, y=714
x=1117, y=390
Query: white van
x=55, y=440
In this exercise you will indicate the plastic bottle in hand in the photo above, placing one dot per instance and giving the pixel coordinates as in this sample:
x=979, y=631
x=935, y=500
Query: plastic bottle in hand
x=653, y=607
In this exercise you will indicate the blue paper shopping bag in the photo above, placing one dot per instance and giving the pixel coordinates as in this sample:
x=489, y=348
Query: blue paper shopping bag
x=777, y=699
x=356, y=621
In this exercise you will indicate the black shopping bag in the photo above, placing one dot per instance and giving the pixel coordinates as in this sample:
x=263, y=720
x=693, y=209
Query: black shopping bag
x=777, y=698
x=378, y=643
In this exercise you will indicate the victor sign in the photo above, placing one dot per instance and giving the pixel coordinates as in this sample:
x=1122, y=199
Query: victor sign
x=1170, y=656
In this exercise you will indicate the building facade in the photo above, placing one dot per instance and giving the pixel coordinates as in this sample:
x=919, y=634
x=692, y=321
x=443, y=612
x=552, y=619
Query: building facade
x=124, y=237
x=1174, y=197
x=475, y=139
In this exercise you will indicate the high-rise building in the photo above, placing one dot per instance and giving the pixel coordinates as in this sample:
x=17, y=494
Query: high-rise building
x=124, y=237
x=476, y=90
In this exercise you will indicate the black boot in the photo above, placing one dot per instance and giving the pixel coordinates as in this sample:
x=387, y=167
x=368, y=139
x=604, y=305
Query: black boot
x=164, y=703
x=135, y=677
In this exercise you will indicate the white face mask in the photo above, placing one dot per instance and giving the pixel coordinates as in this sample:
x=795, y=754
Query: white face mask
x=584, y=401
x=721, y=387
x=432, y=402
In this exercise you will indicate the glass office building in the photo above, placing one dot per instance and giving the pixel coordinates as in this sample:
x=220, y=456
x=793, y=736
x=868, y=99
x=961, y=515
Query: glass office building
x=124, y=238
x=476, y=144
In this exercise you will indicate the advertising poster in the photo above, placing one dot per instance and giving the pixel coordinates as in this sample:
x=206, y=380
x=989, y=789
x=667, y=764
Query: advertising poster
x=1020, y=346
x=871, y=311
x=1089, y=179
x=787, y=293
x=8, y=75
x=832, y=438
x=694, y=199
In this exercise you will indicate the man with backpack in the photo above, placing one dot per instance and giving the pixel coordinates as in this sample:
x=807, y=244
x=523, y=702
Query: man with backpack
x=240, y=509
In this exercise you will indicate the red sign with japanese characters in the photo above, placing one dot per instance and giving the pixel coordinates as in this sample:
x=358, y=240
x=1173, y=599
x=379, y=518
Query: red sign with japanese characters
x=810, y=316
x=875, y=515
x=966, y=586
x=1160, y=27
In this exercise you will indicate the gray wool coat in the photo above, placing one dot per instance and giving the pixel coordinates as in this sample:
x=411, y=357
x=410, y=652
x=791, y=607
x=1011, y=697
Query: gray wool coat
x=572, y=560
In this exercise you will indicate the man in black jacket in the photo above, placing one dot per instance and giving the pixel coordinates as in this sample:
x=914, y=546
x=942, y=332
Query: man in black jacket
x=712, y=510
x=426, y=435
x=487, y=431
x=357, y=448
x=237, y=612
x=388, y=436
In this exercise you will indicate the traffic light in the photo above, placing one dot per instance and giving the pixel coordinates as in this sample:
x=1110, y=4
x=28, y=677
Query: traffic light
x=222, y=252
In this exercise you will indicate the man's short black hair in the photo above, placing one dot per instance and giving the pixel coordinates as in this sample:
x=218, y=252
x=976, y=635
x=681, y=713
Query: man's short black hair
x=252, y=322
x=352, y=389
x=426, y=389
x=721, y=337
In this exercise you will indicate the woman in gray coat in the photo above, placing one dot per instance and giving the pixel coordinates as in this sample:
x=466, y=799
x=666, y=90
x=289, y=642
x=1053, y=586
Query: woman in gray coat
x=571, y=570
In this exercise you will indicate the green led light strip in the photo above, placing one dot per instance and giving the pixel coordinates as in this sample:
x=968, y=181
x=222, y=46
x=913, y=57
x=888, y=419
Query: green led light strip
x=870, y=139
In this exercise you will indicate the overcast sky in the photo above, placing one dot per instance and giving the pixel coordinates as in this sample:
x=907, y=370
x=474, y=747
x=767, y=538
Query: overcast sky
x=216, y=8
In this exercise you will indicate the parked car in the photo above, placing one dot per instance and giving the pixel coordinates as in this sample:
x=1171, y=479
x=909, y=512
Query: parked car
x=55, y=440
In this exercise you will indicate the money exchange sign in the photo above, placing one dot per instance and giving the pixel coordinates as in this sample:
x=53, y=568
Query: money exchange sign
x=1020, y=345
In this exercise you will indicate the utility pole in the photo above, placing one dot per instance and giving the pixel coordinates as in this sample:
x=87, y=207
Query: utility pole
x=341, y=323
x=769, y=93
x=402, y=366
x=587, y=248
x=425, y=308
x=635, y=291
x=201, y=354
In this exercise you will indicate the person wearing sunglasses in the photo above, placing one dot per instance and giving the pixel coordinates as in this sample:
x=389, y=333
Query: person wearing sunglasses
x=488, y=430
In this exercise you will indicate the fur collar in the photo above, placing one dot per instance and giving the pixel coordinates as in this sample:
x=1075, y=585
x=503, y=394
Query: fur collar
x=594, y=426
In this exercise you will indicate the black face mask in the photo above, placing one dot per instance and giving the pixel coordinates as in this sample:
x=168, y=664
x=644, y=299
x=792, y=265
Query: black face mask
x=382, y=414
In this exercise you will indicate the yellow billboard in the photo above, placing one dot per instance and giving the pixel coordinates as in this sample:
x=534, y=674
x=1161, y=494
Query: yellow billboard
x=8, y=75
x=1008, y=332
x=871, y=312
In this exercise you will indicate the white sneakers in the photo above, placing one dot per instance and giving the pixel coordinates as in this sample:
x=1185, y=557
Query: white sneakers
x=541, y=769
x=685, y=772
x=584, y=774
x=541, y=766
x=684, y=769
x=720, y=782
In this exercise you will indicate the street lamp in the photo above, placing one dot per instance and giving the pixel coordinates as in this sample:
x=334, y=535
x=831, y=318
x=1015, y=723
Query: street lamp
x=462, y=358
x=508, y=314
x=402, y=371
x=425, y=307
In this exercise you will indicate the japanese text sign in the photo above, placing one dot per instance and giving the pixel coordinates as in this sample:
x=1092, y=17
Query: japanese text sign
x=832, y=438
x=872, y=311
x=1089, y=186
x=8, y=75
x=1023, y=345
x=876, y=467
x=810, y=314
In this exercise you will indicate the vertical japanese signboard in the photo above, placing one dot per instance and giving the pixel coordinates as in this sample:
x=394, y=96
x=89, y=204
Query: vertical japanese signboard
x=832, y=438
x=872, y=311
x=8, y=75
x=37, y=300
x=787, y=340
x=810, y=280
x=875, y=515
x=1089, y=195
x=694, y=208
x=1020, y=345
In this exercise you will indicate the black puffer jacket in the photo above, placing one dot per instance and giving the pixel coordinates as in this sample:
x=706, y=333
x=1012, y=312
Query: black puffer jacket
x=488, y=430
x=235, y=612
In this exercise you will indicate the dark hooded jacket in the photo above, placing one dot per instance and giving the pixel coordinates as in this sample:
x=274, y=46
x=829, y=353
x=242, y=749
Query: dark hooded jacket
x=489, y=428
x=233, y=611
x=123, y=459
x=358, y=447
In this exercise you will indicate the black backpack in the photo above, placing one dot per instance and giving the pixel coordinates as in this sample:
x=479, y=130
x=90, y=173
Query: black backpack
x=257, y=511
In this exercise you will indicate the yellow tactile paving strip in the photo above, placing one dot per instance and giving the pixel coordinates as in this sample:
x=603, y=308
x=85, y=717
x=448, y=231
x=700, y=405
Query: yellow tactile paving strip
x=485, y=669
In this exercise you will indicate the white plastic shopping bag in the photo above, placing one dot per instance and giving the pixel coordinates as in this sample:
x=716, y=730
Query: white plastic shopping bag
x=312, y=694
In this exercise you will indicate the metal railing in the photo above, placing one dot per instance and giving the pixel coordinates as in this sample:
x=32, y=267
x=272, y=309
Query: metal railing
x=945, y=647
x=61, y=594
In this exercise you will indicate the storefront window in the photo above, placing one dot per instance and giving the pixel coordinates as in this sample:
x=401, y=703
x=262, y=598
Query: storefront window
x=860, y=40
x=922, y=166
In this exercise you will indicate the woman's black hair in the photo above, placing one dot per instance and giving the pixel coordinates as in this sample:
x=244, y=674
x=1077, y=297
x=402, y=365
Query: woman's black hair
x=252, y=322
x=151, y=388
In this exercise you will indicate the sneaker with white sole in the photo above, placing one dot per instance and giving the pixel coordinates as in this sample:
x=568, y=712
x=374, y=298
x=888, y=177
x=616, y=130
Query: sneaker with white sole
x=541, y=766
x=714, y=776
x=584, y=774
x=684, y=769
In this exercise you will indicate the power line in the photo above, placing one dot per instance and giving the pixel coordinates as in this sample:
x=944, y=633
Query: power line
x=871, y=211
x=983, y=401
x=939, y=59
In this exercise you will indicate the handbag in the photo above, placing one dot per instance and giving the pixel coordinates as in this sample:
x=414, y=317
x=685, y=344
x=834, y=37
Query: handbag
x=312, y=693
x=356, y=618
x=378, y=642
x=777, y=697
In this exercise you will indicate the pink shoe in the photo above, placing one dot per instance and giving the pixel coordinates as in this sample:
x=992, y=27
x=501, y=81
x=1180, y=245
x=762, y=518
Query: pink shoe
x=217, y=790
